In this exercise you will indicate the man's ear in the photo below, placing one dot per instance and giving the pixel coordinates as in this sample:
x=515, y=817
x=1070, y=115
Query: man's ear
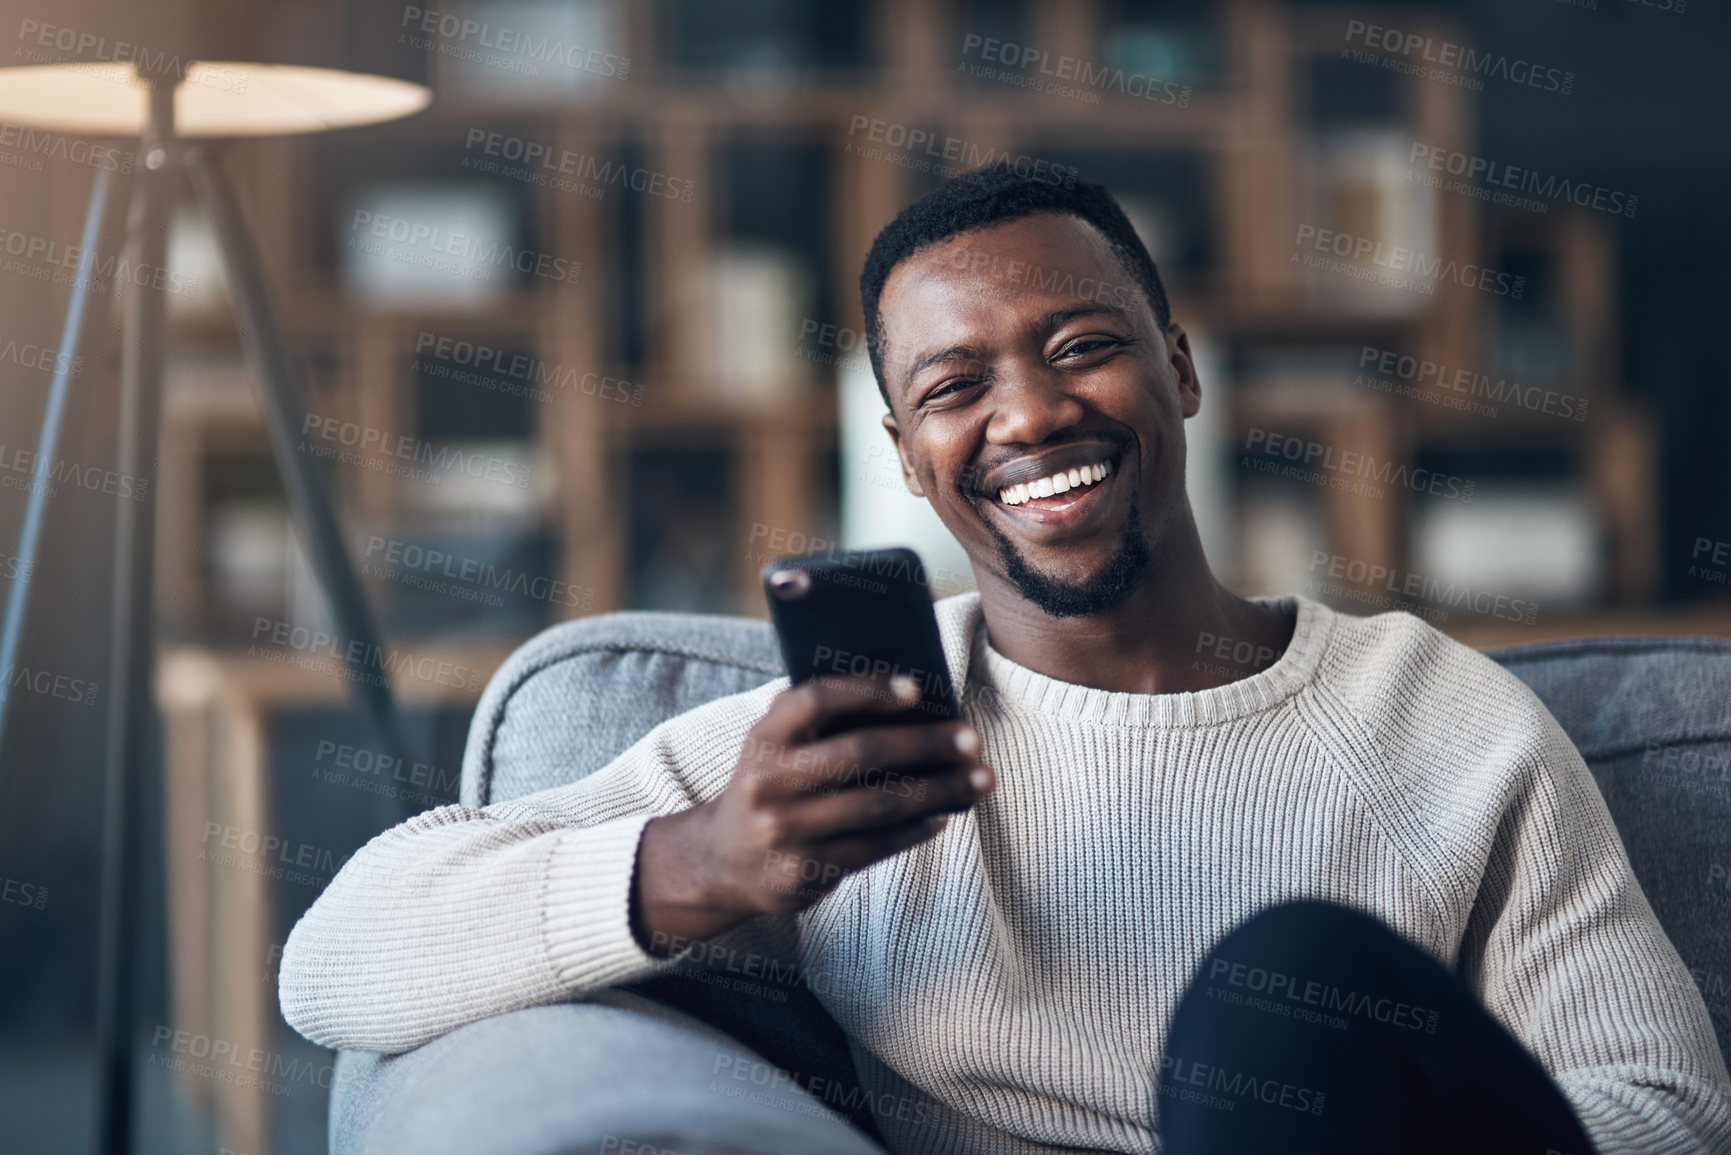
x=1184, y=370
x=909, y=477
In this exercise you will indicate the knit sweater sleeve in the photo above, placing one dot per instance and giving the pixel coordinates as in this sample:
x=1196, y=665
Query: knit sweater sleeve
x=461, y=913
x=1567, y=953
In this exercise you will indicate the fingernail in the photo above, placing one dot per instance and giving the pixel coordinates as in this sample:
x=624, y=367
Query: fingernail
x=905, y=688
x=938, y=821
x=967, y=742
x=980, y=778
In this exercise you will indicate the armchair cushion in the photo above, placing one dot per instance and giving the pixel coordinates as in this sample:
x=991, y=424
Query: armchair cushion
x=615, y=1073
x=1652, y=719
x=574, y=697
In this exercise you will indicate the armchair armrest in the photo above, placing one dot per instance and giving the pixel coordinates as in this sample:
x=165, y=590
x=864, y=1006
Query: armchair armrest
x=617, y=1074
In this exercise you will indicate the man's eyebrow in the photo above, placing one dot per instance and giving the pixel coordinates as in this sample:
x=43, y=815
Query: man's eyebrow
x=940, y=357
x=1086, y=309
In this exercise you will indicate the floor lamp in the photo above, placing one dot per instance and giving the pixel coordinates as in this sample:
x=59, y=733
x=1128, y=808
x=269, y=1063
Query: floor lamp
x=184, y=97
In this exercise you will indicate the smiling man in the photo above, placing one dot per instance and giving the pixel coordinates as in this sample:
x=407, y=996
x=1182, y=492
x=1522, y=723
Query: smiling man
x=1357, y=894
x=1038, y=388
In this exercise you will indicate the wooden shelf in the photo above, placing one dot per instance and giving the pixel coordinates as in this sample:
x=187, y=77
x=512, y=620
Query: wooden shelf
x=1249, y=127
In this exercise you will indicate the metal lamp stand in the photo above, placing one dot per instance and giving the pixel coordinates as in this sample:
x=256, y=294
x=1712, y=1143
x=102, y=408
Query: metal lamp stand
x=132, y=646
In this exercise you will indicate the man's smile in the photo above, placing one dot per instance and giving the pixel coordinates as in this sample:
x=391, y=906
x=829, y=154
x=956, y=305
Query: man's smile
x=1063, y=492
x=1055, y=485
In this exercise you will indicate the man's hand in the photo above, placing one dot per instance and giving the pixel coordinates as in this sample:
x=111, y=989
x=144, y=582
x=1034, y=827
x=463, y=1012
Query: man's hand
x=802, y=811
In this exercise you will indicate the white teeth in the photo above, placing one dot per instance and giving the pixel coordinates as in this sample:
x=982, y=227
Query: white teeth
x=1055, y=484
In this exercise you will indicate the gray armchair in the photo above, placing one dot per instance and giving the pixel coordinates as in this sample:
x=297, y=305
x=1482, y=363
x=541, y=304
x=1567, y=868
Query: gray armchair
x=693, y=1068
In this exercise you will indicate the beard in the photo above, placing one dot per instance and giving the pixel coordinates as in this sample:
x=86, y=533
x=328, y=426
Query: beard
x=1115, y=581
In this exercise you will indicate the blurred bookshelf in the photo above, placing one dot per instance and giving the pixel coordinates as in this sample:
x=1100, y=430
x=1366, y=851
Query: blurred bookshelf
x=687, y=329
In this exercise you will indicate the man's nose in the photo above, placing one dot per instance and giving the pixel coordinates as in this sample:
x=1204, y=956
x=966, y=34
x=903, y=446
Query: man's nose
x=1030, y=403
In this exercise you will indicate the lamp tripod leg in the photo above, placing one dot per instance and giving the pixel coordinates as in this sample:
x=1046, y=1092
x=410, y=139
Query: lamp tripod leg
x=129, y=748
x=96, y=230
x=315, y=515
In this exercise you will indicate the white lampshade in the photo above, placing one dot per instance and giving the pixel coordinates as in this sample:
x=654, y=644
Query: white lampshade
x=217, y=98
x=240, y=67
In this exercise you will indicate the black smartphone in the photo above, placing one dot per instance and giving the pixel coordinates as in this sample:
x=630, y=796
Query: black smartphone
x=861, y=612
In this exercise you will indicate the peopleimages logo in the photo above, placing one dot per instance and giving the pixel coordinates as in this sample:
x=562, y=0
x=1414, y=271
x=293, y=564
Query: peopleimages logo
x=836, y=343
x=60, y=266
x=301, y=646
x=437, y=460
x=18, y=471
x=1511, y=177
x=1354, y=251
x=1050, y=280
x=1354, y=471
x=543, y=164
x=1323, y=995
x=1382, y=587
x=92, y=51
x=50, y=684
x=775, y=542
x=26, y=894
x=1708, y=554
x=403, y=561
x=376, y=772
x=502, y=47
x=778, y=1081
x=39, y=357
x=36, y=144
x=1705, y=764
x=1181, y=1077
x=457, y=253
x=1456, y=64
x=965, y=153
x=1049, y=70
x=515, y=374
x=1437, y=383
x=229, y=1062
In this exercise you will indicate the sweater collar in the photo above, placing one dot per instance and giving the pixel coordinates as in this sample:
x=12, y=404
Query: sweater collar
x=959, y=619
x=961, y=625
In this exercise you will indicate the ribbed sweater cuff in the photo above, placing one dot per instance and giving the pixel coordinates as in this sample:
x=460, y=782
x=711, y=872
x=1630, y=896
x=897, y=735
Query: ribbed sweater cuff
x=587, y=907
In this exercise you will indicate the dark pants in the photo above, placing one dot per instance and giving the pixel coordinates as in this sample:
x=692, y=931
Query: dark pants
x=1316, y=1029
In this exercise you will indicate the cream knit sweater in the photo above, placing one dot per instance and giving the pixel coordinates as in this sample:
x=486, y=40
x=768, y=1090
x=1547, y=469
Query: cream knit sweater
x=1013, y=978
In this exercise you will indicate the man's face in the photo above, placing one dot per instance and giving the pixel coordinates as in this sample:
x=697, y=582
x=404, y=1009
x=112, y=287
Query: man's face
x=1019, y=351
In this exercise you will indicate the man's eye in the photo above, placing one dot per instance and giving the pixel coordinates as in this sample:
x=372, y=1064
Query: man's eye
x=948, y=386
x=1087, y=345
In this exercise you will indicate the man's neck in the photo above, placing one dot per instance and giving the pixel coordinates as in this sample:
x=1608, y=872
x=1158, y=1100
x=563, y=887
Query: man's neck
x=1179, y=631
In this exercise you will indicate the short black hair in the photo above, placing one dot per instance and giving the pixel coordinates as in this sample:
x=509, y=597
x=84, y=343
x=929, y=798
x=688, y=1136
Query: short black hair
x=986, y=196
